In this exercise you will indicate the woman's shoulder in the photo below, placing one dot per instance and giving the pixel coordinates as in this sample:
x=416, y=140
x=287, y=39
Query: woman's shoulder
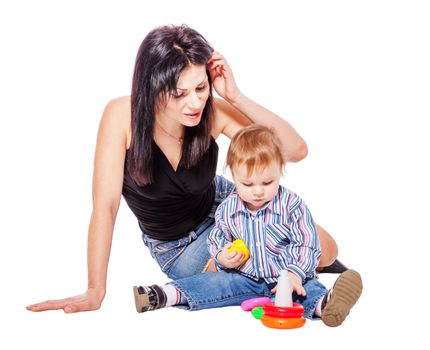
x=119, y=107
x=117, y=116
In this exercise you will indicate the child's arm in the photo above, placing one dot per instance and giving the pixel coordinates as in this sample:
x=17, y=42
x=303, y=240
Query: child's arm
x=219, y=240
x=304, y=250
x=219, y=236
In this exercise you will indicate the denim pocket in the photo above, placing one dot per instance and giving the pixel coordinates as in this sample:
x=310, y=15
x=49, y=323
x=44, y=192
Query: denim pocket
x=165, y=252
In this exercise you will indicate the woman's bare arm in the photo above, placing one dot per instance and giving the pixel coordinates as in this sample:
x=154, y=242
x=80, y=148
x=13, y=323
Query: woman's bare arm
x=237, y=110
x=109, y=161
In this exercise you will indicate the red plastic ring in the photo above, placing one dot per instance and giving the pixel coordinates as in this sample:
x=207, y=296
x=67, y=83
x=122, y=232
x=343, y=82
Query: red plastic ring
x=282, y=323
x=270, y=309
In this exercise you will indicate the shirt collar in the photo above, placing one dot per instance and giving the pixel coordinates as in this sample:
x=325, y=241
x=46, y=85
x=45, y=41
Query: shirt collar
x=273, y=206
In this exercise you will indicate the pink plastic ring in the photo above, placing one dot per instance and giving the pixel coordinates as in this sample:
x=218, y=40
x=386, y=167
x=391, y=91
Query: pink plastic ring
x=270, y=309
x=249, y=304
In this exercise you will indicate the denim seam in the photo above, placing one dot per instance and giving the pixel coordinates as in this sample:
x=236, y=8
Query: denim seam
x=193, y=304
x=230, y=297
x=310, y=313
x=166, y=266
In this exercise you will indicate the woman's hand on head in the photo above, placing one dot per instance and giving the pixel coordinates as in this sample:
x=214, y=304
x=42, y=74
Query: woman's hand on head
x=89, y=301
x=222, y=77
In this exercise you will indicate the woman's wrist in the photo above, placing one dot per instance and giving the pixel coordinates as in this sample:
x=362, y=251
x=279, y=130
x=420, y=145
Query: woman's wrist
x=236, y=100
x=98, y=292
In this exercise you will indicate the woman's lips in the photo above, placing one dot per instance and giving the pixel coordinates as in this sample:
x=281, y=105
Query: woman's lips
x=193, y=115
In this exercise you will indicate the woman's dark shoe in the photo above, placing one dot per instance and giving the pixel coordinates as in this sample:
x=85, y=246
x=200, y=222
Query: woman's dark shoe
x=336, y=267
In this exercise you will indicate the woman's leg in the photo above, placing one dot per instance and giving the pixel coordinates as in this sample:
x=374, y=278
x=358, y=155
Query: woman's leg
x=329, y=248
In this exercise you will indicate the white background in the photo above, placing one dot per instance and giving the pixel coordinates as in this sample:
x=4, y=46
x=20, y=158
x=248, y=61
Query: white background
x=352, y=77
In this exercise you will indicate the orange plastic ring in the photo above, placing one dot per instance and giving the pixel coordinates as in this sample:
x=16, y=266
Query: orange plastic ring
x=270, y=309
x=282, y=323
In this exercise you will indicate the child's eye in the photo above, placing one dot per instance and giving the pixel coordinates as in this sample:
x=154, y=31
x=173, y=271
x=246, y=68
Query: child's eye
x=246, y=184
x=267, y=183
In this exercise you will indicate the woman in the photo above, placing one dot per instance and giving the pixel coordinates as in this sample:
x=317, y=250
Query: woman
x=157, y=148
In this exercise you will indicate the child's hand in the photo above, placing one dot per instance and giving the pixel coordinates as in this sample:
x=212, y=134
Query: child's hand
x=297, y=284
x=228, y=259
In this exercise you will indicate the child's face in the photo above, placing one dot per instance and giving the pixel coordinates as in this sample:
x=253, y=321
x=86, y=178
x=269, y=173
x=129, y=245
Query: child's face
x=258, y=188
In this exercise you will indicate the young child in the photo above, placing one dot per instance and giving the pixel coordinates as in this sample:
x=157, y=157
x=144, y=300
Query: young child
x=278, y=230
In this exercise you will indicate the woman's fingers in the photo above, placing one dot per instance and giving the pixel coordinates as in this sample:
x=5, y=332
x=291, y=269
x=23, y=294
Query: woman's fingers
x=78, y=306
x=69, y=305
x=215, y=56
x=48, y=305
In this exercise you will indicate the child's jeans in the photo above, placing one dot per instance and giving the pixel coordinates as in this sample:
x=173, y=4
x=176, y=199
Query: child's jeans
x=229, y=288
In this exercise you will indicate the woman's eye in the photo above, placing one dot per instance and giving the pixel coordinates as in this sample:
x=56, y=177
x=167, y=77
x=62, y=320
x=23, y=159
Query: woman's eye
x=201, y=88
x=177, y=95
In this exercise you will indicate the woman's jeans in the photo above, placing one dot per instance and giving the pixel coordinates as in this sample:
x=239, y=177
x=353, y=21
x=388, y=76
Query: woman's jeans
x=189, y=255
x=229, y=288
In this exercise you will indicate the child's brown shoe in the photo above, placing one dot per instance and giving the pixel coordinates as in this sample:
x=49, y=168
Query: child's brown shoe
x=341, y=298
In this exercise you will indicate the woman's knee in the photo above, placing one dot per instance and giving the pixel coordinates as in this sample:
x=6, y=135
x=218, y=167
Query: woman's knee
x=329, y=249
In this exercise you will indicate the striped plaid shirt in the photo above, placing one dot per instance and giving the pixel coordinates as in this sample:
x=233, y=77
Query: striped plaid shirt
x=280, y=235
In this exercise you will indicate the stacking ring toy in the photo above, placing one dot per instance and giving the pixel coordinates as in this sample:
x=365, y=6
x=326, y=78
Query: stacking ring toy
x=270, y=309
x=282, y=323
x=257, y=312
x=249, y=304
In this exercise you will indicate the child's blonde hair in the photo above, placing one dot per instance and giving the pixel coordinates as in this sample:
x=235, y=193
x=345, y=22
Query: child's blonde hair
x=256, y=146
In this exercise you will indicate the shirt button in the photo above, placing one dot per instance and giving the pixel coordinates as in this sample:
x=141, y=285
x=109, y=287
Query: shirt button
x=257, y=244
x=261, y=269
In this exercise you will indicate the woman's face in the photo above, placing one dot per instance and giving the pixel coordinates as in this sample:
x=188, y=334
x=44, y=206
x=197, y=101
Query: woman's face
x=186, y=104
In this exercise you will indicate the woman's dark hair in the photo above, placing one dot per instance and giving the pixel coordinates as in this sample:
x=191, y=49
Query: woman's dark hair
x=162, y=56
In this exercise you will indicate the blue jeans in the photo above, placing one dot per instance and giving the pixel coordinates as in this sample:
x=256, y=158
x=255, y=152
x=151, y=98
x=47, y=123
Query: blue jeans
x=189, y=255
x=229, y=288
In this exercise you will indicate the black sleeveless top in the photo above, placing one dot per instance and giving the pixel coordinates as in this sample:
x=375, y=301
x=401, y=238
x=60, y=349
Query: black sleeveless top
x=178, y=200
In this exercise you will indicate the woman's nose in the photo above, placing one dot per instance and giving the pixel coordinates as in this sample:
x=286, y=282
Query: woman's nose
x=193, y=101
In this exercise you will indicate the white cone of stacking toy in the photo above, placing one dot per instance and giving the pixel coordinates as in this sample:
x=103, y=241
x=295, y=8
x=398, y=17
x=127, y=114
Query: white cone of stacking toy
x=284, y=290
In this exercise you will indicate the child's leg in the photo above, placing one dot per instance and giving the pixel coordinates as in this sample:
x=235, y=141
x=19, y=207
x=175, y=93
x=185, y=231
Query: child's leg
x=315, y=292
x=331, y=306
x=156, y=297
x=203, y=291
